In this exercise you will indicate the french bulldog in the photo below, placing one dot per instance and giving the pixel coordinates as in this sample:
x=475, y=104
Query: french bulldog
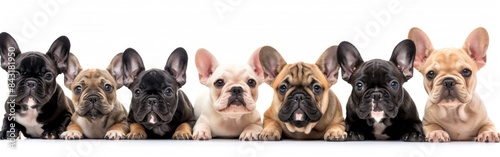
x=303, y=106
x=98, y=113
x=379, y=108
x=228, y=108
x=454, y=111
x=159, y=109
x=37, y=106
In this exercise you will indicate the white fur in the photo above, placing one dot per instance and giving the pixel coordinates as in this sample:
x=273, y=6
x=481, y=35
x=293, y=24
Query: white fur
x=215, y=118
x=28, y=120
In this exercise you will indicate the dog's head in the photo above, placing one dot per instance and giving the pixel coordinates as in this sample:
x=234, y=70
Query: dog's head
x=450, y=73
x=301, y=90
x=94, y=90
x=155, y=91
x=233, y=88
x=377, y=85
x=32, y=75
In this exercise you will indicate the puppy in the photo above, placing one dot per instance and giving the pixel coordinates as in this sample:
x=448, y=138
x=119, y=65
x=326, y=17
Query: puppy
x=159, y=108
x=228, y=109
x=379, y=108
x=303, y=107
x=37, y=106
x=98, y=114
x=454, y=111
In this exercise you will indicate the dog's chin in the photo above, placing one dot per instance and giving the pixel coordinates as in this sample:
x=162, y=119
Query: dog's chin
x=153, y=119
x=91, y=114
x=300, y=126
x=235, y=110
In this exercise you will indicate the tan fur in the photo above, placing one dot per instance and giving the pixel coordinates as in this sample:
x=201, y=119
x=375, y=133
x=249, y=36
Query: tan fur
x=183, y=132
x=114, y=124
x=331, y=126
x=465, y=118
x=137, y=131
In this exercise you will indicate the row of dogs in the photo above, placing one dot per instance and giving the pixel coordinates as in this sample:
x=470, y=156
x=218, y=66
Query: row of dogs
x=303, y=105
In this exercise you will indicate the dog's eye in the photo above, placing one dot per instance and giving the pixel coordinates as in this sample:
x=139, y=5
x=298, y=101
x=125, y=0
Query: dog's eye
x=169, y=91
x=251, y=83
x=359, y=85
x=282, y=88
x=137, y=92
x=48, y=76
x=394, y=84
x=219, y=83
x=466, y=72
x=431, y=75
x=78, y=89
x=317, y=89
x=107, y=88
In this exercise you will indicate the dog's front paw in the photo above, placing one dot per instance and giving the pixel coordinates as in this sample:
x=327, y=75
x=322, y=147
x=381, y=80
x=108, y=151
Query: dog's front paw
x=114, y=135
x=488, y=136
x=269, y=134
x=335, y=135
x=249, y=135
x=438, y=136
x=51, y=134
x=182, y=135
x=413, y=136
x=202, y=135
x=137, y=135
x=71, y=135
x=355, y=136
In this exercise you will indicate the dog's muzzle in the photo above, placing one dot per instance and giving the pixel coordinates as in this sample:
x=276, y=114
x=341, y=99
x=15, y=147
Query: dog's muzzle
x=299, y=109
x=236, y=97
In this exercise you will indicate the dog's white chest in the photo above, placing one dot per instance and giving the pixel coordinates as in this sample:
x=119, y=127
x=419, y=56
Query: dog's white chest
x=33, y=128
x=378, y=128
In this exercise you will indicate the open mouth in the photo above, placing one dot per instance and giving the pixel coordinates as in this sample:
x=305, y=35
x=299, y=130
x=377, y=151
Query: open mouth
x=93, y=113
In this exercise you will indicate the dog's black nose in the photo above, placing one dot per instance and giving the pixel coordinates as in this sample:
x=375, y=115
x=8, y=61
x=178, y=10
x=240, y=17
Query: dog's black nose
x=299, y=97
x=93, y=98
x=236, y=90
x=449, y=83
x=152, y=101
x=30, y=84
x=376, y=96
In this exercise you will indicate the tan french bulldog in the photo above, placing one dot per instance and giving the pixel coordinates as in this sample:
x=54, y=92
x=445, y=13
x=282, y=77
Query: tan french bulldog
x=454, y=111
x=98, y=113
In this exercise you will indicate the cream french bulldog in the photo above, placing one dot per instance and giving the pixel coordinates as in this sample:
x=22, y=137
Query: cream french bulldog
x=228, y=108
x=454, y=111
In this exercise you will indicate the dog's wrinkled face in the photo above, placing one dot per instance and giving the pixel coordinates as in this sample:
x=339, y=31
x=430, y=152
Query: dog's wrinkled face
x=377, y=85
x=450, y=73
x=94, y=93
x=33, y=73
x=155, y=91
x=233, y=88
x=301, y=90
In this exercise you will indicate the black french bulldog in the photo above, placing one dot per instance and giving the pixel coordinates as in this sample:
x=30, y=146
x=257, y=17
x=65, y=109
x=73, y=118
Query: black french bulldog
x=379, y=108
x=37, y=106
x=159, y=109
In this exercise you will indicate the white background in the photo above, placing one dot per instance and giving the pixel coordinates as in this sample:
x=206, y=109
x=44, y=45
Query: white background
x=232, y=30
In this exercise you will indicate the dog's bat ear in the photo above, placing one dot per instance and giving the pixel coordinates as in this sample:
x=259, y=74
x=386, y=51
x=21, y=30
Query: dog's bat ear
x=272, y=63
x=254, y=62
x=8, y=50
x=115, y=68
x=73, y=68
x=59, y=52
x=206, y=63
x=348, y=58
x=177, y=65
x=476, y=45
x=403, y=57
x=328, y=64
x=132, y=66
x=423, y=46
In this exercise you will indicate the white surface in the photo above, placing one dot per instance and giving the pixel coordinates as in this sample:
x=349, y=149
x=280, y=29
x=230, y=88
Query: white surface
x=300, y=30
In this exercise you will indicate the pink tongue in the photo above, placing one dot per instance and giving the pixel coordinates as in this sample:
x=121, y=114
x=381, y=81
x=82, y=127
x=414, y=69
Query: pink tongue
x=31, y=101
x=299, y=115
x=152, y=119
x=377, y=113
